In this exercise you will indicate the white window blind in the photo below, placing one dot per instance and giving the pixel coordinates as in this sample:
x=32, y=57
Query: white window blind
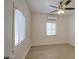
x=19, y=27
x=51, y=27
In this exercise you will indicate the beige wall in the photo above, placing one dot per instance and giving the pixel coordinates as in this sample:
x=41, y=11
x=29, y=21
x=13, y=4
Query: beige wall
x=8, y=6
x=72, y=29
x=39, y=30
x=21, y=50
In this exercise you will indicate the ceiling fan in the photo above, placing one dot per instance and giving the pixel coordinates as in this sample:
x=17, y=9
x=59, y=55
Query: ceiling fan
x=62, y=6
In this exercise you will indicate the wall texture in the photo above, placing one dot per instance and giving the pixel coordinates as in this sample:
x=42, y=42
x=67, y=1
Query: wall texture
x=39, y=30
x=8, y=9
x=21, y=50
x=72, y=29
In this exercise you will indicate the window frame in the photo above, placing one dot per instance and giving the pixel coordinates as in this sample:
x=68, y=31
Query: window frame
x=50, y=31
x=19, y=40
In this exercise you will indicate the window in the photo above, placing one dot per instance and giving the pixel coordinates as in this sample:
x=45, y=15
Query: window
x=19, y=27
x=51, y=28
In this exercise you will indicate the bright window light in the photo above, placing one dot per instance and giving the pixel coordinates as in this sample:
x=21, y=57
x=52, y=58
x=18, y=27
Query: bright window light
x=51, y=28
x=19, y=27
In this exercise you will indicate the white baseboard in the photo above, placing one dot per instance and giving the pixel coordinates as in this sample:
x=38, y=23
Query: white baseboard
x=49, y=43
x=72, y=44
x=26, y=53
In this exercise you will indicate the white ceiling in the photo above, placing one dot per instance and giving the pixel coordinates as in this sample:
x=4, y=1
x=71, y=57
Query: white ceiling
x=42, y=6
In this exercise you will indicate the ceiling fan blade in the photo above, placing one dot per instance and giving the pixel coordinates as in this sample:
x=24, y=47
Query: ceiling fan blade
x=67, y=2
x=54, y=11
x=53, y=6
x=69, y=8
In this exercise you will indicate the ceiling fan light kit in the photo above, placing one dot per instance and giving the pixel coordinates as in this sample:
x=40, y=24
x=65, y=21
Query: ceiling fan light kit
x=62, y=6
x=60, y=12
